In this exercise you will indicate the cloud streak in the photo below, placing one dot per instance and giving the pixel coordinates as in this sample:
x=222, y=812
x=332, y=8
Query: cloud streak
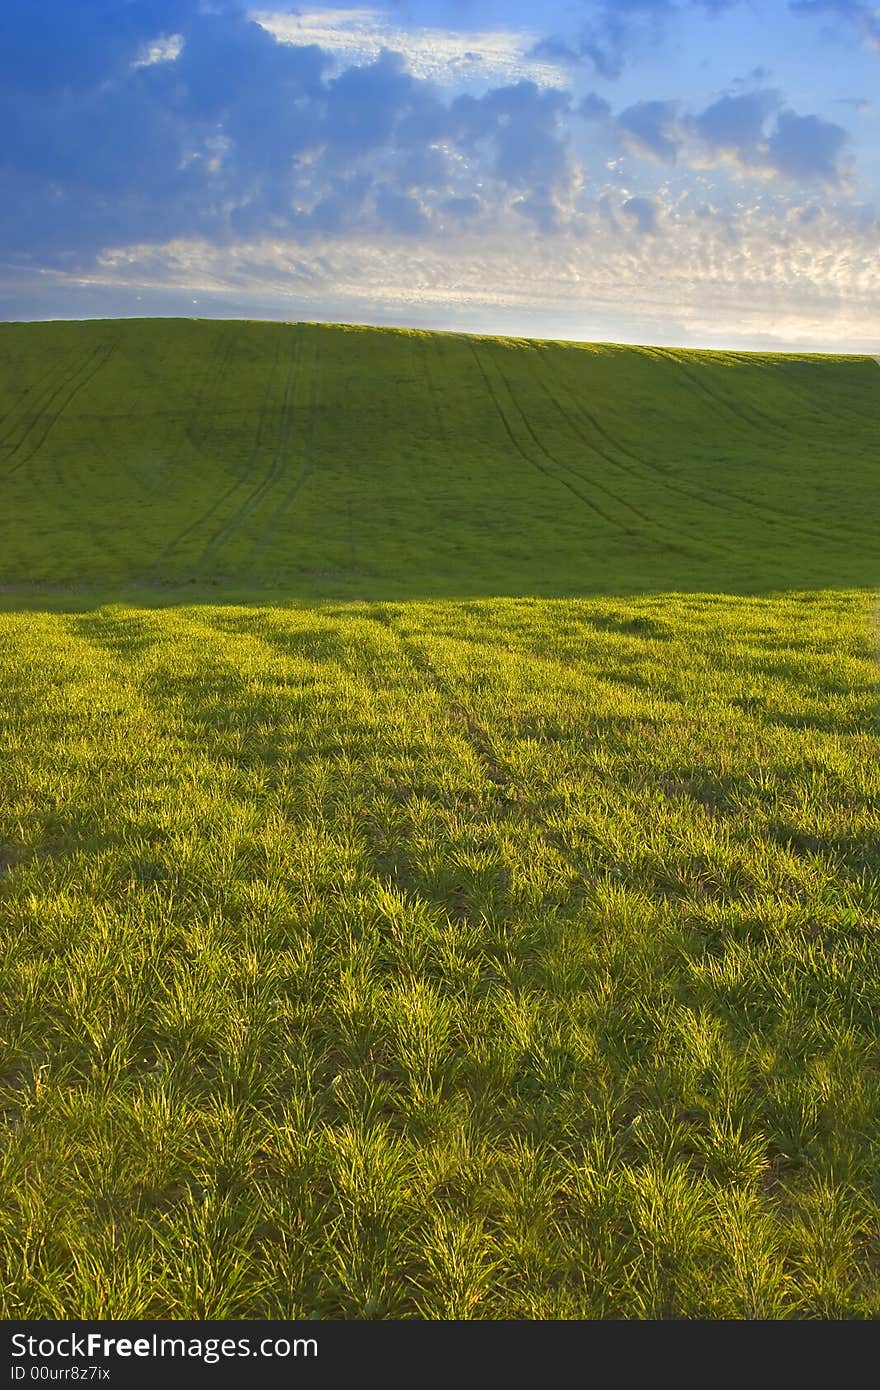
x=808, y=277
x=453, y=57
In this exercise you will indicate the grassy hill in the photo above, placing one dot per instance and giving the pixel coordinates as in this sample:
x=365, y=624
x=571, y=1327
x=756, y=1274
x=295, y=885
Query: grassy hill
x=383, y=463
x=466, y=902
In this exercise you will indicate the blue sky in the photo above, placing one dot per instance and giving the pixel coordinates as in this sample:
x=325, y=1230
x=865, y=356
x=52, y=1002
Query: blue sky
x=668, y=171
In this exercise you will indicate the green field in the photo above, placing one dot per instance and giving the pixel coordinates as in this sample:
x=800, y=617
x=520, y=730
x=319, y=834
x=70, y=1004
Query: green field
x=141, y=456
x=439, y=827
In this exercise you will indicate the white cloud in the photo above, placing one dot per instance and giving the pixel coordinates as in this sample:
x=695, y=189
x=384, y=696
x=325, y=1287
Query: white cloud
x=762, y=278
x=161, y=50
x=441, y=55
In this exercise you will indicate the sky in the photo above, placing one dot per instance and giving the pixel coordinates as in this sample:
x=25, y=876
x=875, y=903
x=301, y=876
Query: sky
x=691, y=172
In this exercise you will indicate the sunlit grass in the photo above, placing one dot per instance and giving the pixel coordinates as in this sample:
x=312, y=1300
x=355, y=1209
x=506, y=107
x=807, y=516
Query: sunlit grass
x=496, y=959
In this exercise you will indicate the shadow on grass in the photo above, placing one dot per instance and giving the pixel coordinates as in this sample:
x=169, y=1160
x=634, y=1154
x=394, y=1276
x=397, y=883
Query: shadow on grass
x=82, y=598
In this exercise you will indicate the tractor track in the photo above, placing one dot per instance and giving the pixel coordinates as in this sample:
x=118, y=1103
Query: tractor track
x=648, y=521
x=307, y=467
x=561, y=482
x=754, y=420
x=57, y=379
x=717, y=497
x=277, y=460
x=424, y=355
x=800, y=396
x=21, y=411
x=169, y=549
x=637, y=470
x=214, y=373
x=104, y=352
x=634, y=472
x=460, y=719
x=658, y=472
x=569, y=468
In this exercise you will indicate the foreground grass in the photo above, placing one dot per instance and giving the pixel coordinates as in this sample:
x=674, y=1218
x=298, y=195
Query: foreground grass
x=493, y=959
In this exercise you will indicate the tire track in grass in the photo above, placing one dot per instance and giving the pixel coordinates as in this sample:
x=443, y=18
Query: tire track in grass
x=307, y=467
x=755, y=420
x=428, y=374
x=785, y=381
x=86, y=374
x=209, y=393
x=515, y=799
x=558, y=463
x=168, y=550
x=653, y=527
x=278, y=459
x=799, y=393
x=561, y=482
x=214, y=373
x=53, y=383
x=611, y=440
x=50, y=381
x=639, y=465
x=708, y=494
x=461, y=719
x=20, y=411
x=651, y=521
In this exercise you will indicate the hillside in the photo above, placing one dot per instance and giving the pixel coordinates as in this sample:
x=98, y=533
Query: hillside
x=496, y=940
x=370, y=463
